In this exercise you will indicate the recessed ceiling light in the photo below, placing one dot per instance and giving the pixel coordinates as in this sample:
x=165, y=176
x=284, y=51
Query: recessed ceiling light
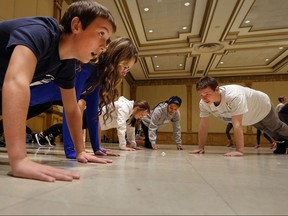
x=146, y=9
x=150, y=31
x=187, y=4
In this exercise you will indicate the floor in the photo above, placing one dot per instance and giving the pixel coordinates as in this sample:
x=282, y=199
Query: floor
x=150, y=182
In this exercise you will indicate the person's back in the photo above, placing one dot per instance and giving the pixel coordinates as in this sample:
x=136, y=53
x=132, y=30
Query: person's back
x=123, y=109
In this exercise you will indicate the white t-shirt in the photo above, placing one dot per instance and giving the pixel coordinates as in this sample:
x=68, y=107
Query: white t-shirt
x=279, y=107
x=236, y=100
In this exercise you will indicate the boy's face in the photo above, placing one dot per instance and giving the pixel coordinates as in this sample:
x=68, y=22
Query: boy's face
x=210, y=96
x=89, y=43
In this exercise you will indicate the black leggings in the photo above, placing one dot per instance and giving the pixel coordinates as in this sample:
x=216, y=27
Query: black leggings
x=146, y=134
x=34, y=111
x=56, y=130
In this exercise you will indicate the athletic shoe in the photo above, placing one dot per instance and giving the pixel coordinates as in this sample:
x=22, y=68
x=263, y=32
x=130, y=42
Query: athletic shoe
x=50, y=139
x=40, y=139
x=281, y=147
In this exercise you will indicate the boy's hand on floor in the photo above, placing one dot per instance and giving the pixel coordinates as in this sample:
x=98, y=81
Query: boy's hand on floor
x=29, y=169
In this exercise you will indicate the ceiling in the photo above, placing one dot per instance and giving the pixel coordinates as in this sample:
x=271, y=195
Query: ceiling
x=218, y=40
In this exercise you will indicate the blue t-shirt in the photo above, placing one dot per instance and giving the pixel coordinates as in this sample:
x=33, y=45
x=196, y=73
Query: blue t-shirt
x=41, y=35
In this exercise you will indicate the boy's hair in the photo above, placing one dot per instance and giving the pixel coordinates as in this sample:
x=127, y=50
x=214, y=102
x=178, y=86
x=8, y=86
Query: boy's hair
x=206, y=82
x=87, y=11
x=280, y=99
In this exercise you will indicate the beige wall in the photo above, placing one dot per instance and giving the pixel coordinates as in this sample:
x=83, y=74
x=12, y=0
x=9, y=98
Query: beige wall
x=11, y=9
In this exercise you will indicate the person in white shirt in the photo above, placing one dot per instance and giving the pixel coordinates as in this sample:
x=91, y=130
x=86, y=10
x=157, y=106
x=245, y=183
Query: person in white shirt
x=241, y=106
x=126, y=115
x=282, y=101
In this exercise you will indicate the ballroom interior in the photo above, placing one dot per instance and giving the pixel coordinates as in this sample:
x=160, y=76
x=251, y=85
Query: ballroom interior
x=240, y=42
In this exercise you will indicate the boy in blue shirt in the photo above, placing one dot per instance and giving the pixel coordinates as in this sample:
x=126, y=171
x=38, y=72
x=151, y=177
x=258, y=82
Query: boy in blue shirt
x=37, y=50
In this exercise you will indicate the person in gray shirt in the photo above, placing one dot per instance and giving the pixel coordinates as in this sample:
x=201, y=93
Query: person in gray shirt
x=165, y=112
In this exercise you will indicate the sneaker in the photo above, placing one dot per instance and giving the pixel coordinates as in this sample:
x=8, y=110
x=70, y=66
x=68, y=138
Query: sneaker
x=50, y=139
x=257, y=146
x=280, y=147
x=40, y=139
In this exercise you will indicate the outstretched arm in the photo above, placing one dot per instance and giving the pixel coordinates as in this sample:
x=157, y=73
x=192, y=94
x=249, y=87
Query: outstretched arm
x=16, y=84
x=239, y=136
x=202, y=136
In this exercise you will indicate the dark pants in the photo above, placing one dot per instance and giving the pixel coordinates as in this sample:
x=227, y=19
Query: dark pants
x=259, y=132
x=56, y=130
x=146, y=134
x=273, y=126
x=228, y=129
x=34, y=111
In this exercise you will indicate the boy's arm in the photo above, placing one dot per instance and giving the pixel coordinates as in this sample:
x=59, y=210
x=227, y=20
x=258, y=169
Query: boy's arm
x=73, y=117
x=16, y=85
x=202, y=136
x=239, y=136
